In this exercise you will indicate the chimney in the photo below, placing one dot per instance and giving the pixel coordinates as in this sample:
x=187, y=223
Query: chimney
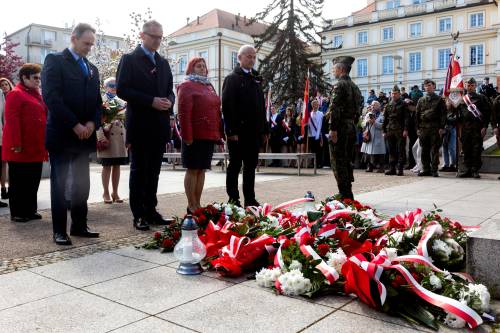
x=237, y=18
x=197, y=20
x=187, y=20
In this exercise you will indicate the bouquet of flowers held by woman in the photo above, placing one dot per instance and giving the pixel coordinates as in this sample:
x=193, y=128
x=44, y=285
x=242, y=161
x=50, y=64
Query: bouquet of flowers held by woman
x=113, y=109
x=410, y=265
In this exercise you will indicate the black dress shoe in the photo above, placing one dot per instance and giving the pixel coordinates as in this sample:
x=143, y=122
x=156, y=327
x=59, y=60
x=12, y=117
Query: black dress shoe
x=84, y=233
x=476, y=175
x=435, y=174
x=464, y=174
x=19, y=219
x=3, y=204
x=35, y=216
x=62, y=239
x=424, y=174
x=401, y=172
x=157, y=219
x=141, y=224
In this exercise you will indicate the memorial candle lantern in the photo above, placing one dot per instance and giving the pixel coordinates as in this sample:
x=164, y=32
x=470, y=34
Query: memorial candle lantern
x=190, y=250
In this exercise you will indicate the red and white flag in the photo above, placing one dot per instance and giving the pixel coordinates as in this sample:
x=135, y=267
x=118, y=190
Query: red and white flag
x=305, y=110
x=454, y=80
x=268, y=104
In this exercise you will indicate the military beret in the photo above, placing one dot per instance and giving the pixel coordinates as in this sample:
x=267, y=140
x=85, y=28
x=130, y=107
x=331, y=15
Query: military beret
x=471, y=81
x=487, y=78
x=347, y=60
x=395, y=88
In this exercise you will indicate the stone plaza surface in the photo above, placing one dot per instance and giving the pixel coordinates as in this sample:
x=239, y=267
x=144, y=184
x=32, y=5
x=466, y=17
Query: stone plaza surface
x=129, y=290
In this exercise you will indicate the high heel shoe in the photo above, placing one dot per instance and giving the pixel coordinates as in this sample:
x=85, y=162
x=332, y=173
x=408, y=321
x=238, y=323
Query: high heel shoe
x=107, y=201
x=189, y=211
x=116, y=198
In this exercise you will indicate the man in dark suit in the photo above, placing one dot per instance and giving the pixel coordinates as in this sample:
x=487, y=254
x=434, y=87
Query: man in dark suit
x=243, y=106
x=144, y=80
x=70, y=86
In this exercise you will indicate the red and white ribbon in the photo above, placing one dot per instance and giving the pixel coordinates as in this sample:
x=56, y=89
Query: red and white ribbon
x=267, y=209
x=374, y=272
x=329, y=272
x=429, y=232
x=234, y=245
x=327, y=231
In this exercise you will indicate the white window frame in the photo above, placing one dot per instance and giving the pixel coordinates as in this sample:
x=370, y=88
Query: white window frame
x=446, y=54
x=392, y=4
x=364, y=71
x=182, y=63
x=337, y=40
x=439, y=24
x=476, y=26
x=200, y=54
x=410, y=32
x=45, y=40
x=481, y=59
x=417, y=61
x=364, y=42
x=383, y=33
x=234, y=59
x=391, y=70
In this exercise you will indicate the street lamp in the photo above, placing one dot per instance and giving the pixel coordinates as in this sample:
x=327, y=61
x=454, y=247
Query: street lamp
x=190, y=250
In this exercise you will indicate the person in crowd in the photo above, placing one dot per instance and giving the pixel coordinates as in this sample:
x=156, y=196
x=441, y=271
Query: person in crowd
x=404, y=94
x=144, y=81
x=450, y=140
x=288, y=134
x=416, y=94
x=243, y=106
x=325, y=148
x=201, y=128
x=71, y=91
x=5, y=88
x=112, y=151
x=299, y=106
x=488, y=90
x=373, y=143
x=430, y=121
x=345, y=112
x=323, y=106
x=474, y=119
x=23, y=143
x=395, y=131
x=314, y=133
x=299, y=137
x=371, y=97
x=495, y=120
x=382, y=99
x=412, y=132
x=276, y=133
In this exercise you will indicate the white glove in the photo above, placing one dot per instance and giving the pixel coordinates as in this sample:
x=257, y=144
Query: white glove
x=285, y=139
x=327, y=136
x=300, y=137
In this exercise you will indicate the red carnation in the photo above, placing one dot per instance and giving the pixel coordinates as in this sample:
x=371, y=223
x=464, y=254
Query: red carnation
x=323, y=249
x=167, y=243
x=157, y=235
x=176, y=234
x=286, y=244
x=328, y=209
x=398, y=281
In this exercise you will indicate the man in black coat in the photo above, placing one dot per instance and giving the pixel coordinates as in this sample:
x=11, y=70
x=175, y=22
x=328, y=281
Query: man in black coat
x=243, y=107
x=144, y=80
x=70, y=86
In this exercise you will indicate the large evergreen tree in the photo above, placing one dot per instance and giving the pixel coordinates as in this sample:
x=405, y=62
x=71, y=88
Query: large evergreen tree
x=294, y=34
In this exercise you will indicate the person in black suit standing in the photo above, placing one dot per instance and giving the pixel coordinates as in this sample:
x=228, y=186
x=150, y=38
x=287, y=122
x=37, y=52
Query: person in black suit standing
x=70, y=87
x=243, y=107
x=145, y=81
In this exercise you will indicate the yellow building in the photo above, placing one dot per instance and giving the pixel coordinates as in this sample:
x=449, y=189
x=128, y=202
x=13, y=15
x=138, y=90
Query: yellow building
x=408, y=41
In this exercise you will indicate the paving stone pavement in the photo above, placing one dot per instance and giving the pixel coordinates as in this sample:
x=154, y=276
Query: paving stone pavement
x=110, y=286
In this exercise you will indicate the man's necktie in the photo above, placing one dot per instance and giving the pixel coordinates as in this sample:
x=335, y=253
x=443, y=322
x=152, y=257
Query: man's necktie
x=83, y=66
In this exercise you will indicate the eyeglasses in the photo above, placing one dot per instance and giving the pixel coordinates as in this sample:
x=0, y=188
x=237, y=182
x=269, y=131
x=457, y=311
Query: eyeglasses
x=111, y=85
x=154, y=36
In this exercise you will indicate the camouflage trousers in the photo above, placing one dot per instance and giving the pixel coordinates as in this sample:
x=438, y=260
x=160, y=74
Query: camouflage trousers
x=397, y=149
x=341, y=157
x=430, y=142
x=472, y=147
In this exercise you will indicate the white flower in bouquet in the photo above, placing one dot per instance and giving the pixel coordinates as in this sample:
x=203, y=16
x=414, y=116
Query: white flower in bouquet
x=413, y=252
x=391, y=252
x=447, y=275
x=396, y=238
x=217, y=206
x=295, y=265
x=241, y=212
x=457, y=250
x=453, y=321
x=335, y=205
x=228, y=211
x=435, y=282
x=480, y=291
x=410, y=233
x=266, y=277
x=294, y=283
x=273, y=221
x=441, y=249
x=439, y=230
x=336, y=259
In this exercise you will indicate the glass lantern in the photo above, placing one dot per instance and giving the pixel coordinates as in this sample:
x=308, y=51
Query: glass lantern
x=190, y=250
x=309, y=205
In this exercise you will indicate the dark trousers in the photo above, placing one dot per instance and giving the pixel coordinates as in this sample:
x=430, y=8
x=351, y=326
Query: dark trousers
x=397, y=150
x=24, y=180
x=145, y=169
x=244, y=152
x=430, y=141
x=412, y=138
x=60, y=163
x=317, y=149
x=341, y=157
x=472, y=147
x=276, y=143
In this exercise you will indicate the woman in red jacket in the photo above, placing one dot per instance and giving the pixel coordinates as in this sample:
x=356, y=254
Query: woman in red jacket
x=24, y=143
x=201, y=127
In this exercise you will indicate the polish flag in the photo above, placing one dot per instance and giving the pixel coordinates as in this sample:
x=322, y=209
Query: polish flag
x=268, y=104
x=454, y=80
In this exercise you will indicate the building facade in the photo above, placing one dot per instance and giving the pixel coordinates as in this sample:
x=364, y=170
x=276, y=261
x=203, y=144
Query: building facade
x=408, y=41
x=36, y=41
x=215, y=36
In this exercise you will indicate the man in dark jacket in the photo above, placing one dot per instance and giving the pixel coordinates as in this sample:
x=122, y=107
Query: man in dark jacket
x=488, y=90
x=243, y=107
x=71, y=91
x=345, y=109
x=144, y=80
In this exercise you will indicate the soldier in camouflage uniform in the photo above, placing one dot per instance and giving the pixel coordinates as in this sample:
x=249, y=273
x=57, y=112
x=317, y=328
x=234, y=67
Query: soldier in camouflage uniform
x=495, y=119
x=430, y=120
x=395, y=129
x=345, y=109
x=474, y=118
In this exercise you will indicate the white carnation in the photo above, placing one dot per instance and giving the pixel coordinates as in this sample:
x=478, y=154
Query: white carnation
x=294, y=283
x=295, y=265
x=439, y=230
x=482, y=292
x=273, y=221
x=435, y=282
x=241, y=212
x=453, y=321
x=228, y=211
x=410, y=233
x=457, y=250
x=391, y=252
x=335, y=205
x=266, y=277
x=441, y=249
x=336, y=259
x=396, y=237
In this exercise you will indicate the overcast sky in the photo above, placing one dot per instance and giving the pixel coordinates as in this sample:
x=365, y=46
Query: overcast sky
x=114, y=14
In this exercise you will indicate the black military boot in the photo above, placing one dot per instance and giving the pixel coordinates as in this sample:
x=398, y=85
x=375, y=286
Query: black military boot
x=391, y=171
x=400, y=172
x=475, y=174
x=464, y=174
